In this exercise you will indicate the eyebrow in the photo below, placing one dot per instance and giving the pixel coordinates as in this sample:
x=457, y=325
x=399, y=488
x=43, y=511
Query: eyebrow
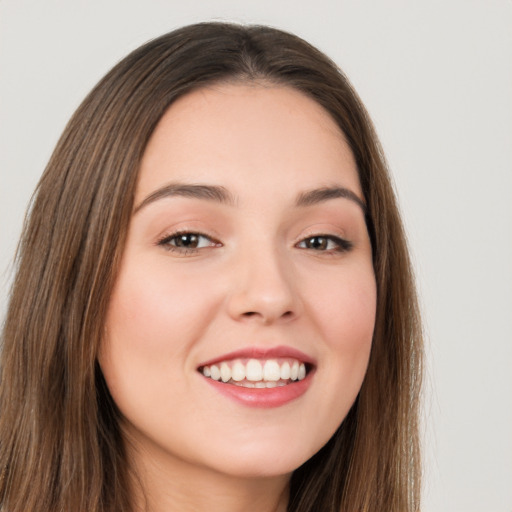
x=214, y=193
x=220, y=194
x=319, y=195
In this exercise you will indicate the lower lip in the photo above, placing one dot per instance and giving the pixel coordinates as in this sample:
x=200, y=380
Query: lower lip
x=263, y=397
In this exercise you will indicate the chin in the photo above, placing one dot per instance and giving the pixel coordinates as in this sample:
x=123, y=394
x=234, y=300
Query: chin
x=266, y=460
x=264, y=467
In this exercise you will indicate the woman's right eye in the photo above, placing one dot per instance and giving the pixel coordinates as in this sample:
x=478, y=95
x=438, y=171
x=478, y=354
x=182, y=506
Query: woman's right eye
x=186, y=242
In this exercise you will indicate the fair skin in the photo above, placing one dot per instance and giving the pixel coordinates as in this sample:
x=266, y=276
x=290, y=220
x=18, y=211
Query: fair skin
x=247, y=242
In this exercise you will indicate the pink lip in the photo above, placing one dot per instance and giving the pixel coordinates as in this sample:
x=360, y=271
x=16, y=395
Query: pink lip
x=265, y=397
x=262, y=353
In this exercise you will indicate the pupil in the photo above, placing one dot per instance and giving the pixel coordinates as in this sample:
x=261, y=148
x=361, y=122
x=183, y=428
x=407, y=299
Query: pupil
x=187, y=240
x=317, y=242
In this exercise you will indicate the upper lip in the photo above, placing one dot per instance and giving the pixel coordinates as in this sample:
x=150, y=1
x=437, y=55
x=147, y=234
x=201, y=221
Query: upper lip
x=262, y=353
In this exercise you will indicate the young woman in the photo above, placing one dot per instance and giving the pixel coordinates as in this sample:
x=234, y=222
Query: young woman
x=214, y=307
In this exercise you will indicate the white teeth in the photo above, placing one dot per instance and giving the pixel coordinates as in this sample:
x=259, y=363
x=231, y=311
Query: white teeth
x=294, y=372
x=271, y=371
x=215, y=372
x=285, y=370
x=255, y=373
x=238, y=372
x=225, y=372
x=253, y=370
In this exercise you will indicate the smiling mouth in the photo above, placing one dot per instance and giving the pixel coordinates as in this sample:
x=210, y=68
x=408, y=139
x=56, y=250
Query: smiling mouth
x=257, y=373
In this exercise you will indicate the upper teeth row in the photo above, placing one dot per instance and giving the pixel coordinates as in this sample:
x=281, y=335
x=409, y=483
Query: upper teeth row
x=254, y=370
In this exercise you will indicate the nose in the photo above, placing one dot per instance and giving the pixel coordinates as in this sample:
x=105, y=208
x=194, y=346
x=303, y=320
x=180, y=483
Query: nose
x=263, y=289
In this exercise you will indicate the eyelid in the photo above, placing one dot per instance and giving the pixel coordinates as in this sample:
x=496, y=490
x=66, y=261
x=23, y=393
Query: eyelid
x=163, y=241
x=343, y=244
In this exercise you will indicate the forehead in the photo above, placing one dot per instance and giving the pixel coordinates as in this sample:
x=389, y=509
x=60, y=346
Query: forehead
x=247, y=136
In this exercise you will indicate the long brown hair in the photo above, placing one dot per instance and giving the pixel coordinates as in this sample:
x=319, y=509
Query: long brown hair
x=60, y=442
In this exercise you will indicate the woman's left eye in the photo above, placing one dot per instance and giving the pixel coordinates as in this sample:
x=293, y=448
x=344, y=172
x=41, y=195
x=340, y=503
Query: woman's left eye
x=325, y=243
x=186, y=242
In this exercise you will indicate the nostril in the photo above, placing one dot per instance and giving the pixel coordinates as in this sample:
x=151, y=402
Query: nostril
x=249, y=314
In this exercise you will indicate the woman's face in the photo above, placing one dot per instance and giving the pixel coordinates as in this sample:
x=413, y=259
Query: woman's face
x=247, y=264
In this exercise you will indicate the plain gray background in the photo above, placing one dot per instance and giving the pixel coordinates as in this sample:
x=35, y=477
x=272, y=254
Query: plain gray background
x=436, y=77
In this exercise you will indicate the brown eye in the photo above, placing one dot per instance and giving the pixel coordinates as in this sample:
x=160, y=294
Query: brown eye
x=325, y=243
x=319, y=243
x=186, y=241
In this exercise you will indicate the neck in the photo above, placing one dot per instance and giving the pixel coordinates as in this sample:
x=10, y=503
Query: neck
x=163, y=485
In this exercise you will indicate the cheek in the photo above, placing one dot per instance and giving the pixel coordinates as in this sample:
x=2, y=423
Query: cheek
x=345, y=315
x=151, y=311
x=151, y=323
x=355, y=316
x=149, y=331
x=346, y=308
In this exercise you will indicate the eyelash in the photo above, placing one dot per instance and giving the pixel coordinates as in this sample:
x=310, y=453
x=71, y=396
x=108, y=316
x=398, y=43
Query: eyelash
x=341, y=245
x=165, y=242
